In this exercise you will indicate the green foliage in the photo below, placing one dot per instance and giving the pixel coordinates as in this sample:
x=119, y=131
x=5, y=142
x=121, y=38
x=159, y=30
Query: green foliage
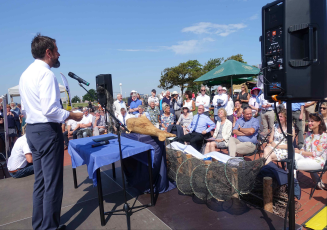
x=211, y=64
x=237, y=57
x=182, y=75
x=76, y=99
x=87, y=96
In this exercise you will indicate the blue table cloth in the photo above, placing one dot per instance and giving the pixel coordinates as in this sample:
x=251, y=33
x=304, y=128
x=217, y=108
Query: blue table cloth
x=82, y=153
x=137, y=174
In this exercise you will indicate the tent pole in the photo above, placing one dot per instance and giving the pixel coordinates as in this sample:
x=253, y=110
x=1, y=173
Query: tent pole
x=231, y=85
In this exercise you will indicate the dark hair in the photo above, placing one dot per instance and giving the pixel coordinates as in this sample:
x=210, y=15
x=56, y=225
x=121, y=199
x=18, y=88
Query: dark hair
x=189, y=94
x=40, y=44
x=246, y=107
x=318, y=117
x=238, y=101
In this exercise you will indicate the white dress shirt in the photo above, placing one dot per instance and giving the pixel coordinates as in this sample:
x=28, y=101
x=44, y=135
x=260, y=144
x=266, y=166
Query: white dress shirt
x=117, y=106
x=203, y=100
x=86, y=120
x=17, y=159
x=121, y=118
x=229, y=107
x=72, y=123
x=40, y=95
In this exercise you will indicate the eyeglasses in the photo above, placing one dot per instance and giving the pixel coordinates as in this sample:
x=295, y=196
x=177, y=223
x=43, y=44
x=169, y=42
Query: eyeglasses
x=323, y=108
x=220, y=90
x=203, y=90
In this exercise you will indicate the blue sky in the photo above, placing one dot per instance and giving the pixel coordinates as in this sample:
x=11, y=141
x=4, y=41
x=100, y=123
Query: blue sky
x=132, y=40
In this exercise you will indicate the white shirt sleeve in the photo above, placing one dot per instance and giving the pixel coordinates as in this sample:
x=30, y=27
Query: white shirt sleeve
x=49, y=98
x=26, y=148
x=225, y=98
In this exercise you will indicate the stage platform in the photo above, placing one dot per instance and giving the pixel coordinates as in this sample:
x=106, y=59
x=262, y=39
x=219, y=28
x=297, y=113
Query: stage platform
x=172, y=210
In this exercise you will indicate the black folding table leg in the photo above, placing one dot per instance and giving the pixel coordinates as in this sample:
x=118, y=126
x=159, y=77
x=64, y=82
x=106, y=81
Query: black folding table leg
x=75, y=177
x=113, y=170
x=100, y=197
x=150, y=177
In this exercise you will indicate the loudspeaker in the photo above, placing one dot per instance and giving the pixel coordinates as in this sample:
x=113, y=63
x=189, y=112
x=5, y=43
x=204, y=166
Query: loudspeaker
x=293, y=49
x=104, y=89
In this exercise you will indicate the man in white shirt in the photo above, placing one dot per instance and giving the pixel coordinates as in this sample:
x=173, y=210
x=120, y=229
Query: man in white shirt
x=153, y=98
x=219, y=101
x=72, y=128
x=85, y=125
x=118, y=104
x=204, y=100
x=20, y=162
x=229, y=106
x=40, y=99
x=124, y=116
x=267, y=115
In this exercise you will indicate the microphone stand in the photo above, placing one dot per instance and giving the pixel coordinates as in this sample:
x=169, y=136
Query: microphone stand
x=126, y=207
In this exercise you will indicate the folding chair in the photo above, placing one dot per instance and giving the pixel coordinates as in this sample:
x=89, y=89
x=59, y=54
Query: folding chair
x=321, y=171
x=2, y=166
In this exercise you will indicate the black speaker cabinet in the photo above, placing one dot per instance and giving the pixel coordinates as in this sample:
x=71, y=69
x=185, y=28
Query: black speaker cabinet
x=293, y=49
x=104, y=89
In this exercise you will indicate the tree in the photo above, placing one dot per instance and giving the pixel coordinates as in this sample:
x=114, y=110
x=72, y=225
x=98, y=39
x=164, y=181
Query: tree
x=237, y=57
x=211, y=64
x=182, y=75
x=87, y=96
x=75, y=99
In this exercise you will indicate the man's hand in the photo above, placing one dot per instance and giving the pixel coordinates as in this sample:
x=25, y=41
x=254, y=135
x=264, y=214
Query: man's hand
x=75, y=116
x=70, y=133
x=300, y=117
x=204, y=132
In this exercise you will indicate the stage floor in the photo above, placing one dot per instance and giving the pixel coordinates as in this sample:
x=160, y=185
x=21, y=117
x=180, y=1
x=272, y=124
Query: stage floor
x=172, y=210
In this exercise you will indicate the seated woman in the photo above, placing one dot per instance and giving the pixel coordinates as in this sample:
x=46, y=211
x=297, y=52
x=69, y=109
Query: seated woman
x=167, y=118
x=185, y=119
x=222, y=133
x=238, y=111
x=313, y=155
x=280, y=152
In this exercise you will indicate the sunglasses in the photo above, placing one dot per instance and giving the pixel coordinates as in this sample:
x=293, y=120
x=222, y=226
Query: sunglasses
x=323, y=108
x=220, y=90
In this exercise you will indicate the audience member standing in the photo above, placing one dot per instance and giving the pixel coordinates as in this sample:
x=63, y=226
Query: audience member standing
x=188, y=102
x=15, y=109
x=297, y=115
x=43, y=132
x=130, y=99
x=204, y=100
x=200, y=126
x=134, y=104
x=154, y=114
x=323, y=111
x=153, y=98
x=176, y=104
x=99, y=126
x=166, y=99
x=267, y=115
x=229, y=106
x=244, y=96
x=118, y=104
x=13, y=126
x=219, y=101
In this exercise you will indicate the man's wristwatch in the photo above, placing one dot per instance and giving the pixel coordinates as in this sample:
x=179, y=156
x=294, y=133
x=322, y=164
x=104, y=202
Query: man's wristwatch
x=239, y=129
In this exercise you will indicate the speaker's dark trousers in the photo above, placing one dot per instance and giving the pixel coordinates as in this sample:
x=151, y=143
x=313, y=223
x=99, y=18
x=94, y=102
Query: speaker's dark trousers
x=195, y=139
x=47, y=145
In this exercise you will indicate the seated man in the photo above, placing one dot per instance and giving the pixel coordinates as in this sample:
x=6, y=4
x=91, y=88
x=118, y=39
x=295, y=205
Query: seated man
x=154, y=113
x=20, y=163
x=123, y=117
x=72, y=129
x=85, y=125
x=99, y=126
x=141, y=112
x=246, y=129
x=197, y=129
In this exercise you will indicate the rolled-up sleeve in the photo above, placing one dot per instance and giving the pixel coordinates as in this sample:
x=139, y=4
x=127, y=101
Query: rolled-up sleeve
x=211, y=124
x=255, y=124
x=49, y=98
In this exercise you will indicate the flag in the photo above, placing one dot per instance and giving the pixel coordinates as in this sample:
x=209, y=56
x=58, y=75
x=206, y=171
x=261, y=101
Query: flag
x=64, y=80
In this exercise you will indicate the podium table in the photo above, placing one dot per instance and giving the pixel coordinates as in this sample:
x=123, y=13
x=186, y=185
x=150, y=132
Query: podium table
x=82, y=153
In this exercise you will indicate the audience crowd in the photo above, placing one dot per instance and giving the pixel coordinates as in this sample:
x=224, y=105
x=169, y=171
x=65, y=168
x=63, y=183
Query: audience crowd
x=206, y=123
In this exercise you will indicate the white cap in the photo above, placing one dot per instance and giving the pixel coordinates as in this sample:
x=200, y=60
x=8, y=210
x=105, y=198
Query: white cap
x=133, y=91
x=224, y=88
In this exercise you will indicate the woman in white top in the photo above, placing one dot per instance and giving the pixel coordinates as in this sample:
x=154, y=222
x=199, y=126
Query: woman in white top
x=185, y=119
x=280, y=152
x=313, y=155
x=222, y=132
x=229, y=106
x=188, y=102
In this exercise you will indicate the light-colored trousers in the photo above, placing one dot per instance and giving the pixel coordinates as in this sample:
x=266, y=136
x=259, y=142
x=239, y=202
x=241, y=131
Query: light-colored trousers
x=307, y=164
x=268, y=119
x=97, y=131
x=235, y=146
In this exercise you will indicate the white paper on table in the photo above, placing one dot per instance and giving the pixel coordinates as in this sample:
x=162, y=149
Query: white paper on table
x=64, y=80
x=186, y=149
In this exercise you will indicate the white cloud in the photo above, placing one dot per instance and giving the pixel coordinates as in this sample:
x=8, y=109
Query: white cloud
x=253, y=17
x=211, y=28
x=190, y=46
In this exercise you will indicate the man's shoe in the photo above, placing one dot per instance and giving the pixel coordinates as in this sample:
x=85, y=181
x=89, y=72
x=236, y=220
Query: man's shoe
x=61, y=227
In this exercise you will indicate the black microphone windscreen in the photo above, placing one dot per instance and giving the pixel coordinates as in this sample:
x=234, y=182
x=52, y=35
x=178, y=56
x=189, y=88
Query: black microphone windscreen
x=70, y=74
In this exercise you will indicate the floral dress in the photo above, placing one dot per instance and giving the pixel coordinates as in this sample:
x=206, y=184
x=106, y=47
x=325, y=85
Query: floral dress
x=317, y=144
x=166, y=121
x=281, y=154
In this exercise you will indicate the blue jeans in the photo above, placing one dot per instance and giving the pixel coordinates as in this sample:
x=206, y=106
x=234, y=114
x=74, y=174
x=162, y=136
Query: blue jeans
x=28, y=170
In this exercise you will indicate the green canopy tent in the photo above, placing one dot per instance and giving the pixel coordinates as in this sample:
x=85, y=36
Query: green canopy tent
x=227, y=71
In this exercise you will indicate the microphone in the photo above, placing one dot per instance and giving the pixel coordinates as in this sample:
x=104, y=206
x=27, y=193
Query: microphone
x=80, y=80
x=100, y=143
